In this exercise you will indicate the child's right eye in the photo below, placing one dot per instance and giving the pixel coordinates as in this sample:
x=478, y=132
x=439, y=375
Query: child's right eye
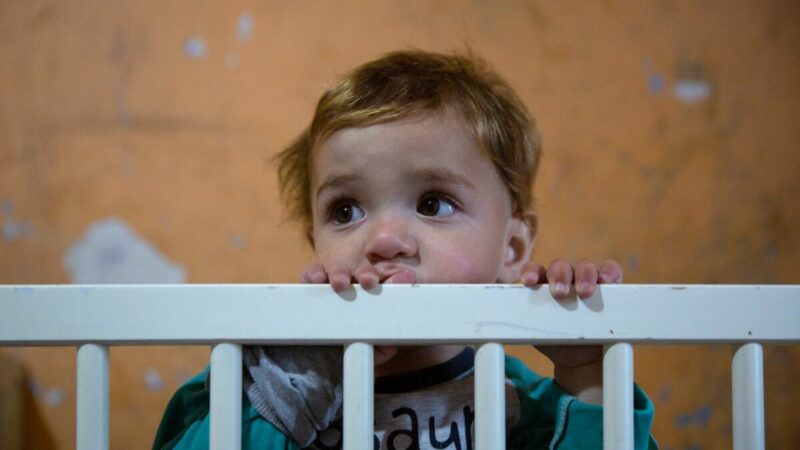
x=346, y=213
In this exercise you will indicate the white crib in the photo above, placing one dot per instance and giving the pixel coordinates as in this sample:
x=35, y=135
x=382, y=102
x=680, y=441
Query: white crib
x=94, y=317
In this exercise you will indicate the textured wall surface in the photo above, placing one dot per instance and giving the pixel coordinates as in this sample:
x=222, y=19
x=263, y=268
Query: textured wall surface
x=135, y=145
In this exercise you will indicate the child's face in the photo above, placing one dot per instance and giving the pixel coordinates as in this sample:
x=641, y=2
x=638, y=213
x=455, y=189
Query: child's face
x=415, y=194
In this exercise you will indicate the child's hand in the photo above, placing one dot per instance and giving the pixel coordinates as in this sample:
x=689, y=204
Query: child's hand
x=559, y=274
x=341, y=278
x=579, y=368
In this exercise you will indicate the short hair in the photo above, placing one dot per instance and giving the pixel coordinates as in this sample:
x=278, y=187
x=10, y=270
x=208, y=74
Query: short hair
x=405, y=83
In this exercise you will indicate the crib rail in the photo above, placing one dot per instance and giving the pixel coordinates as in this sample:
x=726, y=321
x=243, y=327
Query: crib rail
x=93, y=317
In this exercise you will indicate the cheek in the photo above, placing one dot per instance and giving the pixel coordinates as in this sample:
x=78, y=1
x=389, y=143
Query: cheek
x=466, y=264
x=332, y=251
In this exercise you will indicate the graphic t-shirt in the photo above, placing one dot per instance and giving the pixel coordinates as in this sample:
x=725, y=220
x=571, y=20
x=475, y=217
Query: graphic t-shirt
x=427, y=409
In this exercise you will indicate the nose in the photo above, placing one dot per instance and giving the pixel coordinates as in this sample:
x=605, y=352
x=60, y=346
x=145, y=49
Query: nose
x=390, y=238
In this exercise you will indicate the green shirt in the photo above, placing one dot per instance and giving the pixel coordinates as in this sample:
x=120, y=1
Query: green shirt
x=549, y=418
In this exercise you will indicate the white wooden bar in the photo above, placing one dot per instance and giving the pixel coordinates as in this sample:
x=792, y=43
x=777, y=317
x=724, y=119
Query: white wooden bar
x=490, y=399
x=225, y=431
x=92, y=397
x=194, y=314
x=228, y=316
x=359, y=387
x=618, y=397
x=748, y=397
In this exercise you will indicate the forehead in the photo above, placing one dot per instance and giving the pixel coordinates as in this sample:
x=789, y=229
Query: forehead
x=433, y=139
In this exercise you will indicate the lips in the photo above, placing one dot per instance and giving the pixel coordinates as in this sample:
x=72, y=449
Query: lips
x=401, y=276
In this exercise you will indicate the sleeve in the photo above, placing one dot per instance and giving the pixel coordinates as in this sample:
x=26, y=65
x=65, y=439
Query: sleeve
x=186, y=420
x=550, y=418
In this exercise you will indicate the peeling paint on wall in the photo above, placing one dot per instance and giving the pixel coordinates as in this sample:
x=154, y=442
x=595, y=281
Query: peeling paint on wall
x=152, y=379
x=664, y=393
x=49, y=396
x=692, y=85
x=700, y=417
x=692, y=91
x=237, y=241
x=110, y=252
x=12, y=228
x=6, y=207
x=195, y=48
x=655, y=81
x=244, y=26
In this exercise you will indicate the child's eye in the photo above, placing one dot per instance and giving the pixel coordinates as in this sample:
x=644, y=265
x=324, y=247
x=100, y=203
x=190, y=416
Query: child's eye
x=436, y=206
x=346, y=213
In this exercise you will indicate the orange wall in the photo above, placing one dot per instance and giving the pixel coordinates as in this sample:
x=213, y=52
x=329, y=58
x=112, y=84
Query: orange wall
x=670, y=133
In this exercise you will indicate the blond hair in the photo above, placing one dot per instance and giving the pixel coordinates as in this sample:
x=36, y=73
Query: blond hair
x=405, y=83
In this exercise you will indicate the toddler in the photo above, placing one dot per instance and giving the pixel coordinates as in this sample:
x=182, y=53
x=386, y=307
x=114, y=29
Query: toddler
x=417, y=168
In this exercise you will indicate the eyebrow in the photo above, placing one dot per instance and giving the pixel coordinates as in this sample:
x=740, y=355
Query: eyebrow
x=435, y=175
x=337, y=181
x=445, y=176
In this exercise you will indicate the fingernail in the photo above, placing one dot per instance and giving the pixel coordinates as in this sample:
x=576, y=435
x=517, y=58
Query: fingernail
x=561, y=288
x=528, y=279
x=583, y=287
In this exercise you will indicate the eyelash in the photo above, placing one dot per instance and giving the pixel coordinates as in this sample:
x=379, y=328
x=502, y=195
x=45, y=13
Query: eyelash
x=331, y=206
x=441, y=196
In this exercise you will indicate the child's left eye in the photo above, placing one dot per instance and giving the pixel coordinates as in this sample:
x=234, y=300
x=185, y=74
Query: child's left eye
x=436, y=206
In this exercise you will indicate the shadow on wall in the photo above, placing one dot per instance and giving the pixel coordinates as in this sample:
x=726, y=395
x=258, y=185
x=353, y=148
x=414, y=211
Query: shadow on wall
x=36, y=435
x=21, y=423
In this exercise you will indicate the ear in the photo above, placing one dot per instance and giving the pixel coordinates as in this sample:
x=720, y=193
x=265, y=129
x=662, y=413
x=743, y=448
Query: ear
x=520, y=238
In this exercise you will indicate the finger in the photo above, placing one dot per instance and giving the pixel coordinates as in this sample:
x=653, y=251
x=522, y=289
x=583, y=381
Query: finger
x=367, y=277
x=405, y=276
x=559, y=275
x=533, y=274
x=610, y=272
x=340, y=278
x=585, y=278
x=314, y=274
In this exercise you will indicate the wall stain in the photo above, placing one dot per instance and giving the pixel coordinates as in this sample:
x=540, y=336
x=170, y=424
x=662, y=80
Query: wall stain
x=699, y=417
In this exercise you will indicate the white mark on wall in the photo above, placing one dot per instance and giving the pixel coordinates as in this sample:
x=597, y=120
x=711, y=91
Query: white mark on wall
x=49, y=396
x=237, y=241
x=152, y=379
x=691, y=91
x=13, y=228
x=655, y=81
x=195, y=47
x=110, y=252
x=244, y=26
x=53, y=397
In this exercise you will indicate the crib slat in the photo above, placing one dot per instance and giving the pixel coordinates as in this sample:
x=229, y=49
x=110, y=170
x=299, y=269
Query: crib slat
x=359, y=386
x=490, y=400
x=748, y=397
x=226, y=397
x=618, y=397
x=92, y=397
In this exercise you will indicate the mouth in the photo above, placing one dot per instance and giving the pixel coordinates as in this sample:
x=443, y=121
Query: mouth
x=401, y=276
